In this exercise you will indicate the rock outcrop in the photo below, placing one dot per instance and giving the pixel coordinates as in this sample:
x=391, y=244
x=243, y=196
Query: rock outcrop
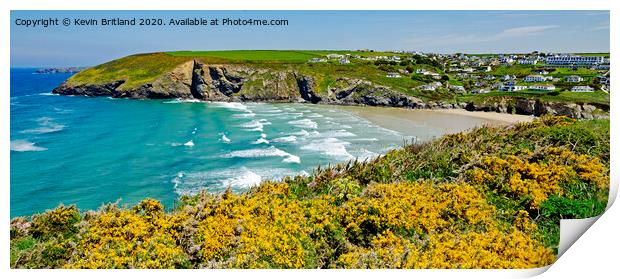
x=246, y=82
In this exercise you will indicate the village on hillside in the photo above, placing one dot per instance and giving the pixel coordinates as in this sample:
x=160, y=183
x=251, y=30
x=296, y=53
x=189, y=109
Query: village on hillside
x=533, y=73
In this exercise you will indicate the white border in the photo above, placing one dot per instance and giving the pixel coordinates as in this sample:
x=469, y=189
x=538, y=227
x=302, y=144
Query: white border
x=594, y=254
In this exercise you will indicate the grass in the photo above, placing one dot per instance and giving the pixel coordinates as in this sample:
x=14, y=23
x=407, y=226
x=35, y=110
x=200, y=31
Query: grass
x=489, y=198
x=597, y=97
x=141, y=69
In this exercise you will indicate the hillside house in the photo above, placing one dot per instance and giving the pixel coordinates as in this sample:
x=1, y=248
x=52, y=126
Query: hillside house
x=573, y=79
x=542, y=87
x=582, y=89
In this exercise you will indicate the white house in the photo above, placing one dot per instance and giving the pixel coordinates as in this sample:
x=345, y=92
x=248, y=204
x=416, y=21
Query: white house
x=574, y=79
x=457, y=88
x=486, y=69
x=541, y=72
x=535, y=78
x=427, y=87
x=421, y=71
x=393, y=75
x=511, y=87
x=480, y=91
x=316, y=60
x=508, y=77
x=506, y=60
x=582, y=89
x=344, y=61
x=542, y=87
x=468, y=70
x=335, y=56
x=527, y=61
x=575, y=60
x=489, y=77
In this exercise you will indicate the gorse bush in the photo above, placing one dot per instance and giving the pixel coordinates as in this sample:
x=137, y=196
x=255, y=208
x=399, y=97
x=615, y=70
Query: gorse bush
x=491, y=198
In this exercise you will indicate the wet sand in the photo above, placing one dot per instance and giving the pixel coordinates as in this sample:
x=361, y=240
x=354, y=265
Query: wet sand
x=427, y=124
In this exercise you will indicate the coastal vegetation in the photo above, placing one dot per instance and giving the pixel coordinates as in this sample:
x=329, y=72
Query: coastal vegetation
x=488, y=198
x=363, y=77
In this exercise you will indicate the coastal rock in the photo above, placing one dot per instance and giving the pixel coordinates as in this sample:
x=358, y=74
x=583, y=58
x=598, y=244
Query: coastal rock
x=306, y=89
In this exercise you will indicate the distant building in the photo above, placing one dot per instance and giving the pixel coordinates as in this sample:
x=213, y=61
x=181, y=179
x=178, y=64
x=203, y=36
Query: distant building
x=344, y=61
x=541, y=72
x=489, y=77
x=335, y=56
x=480, y=91
x=582, y=89
x=527, y=61
x=427, y=87
x=575, y=60
x=421, y=71
x=541, y=87
x=457, y=88
x=486, y=69
x=508, y=77
x=316, y=60
x=511, y=87
x=393, y=75
x=573, y=79
x=535, y=78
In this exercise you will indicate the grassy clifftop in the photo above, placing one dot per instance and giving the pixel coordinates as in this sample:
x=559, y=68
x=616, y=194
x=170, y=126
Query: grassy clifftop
x=491, y=198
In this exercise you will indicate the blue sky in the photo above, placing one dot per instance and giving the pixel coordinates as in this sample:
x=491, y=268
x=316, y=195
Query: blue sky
x=430, y=31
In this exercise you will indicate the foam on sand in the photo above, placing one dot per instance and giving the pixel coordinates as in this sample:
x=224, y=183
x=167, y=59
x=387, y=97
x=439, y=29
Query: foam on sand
x=24, y=146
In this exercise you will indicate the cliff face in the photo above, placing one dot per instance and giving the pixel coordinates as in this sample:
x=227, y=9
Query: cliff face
x=234, y=82
x=245, y=82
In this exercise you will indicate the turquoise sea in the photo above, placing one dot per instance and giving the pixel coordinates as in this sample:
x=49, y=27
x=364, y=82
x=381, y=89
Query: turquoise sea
x=90, y=151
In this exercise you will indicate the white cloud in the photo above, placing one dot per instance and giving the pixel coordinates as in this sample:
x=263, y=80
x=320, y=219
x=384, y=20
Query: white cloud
x=525, y=31
x=456, y=39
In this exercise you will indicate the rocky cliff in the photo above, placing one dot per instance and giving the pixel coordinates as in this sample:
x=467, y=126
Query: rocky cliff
x=240, y=82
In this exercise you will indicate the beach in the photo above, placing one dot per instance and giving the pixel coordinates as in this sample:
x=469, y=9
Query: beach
x=426, y=124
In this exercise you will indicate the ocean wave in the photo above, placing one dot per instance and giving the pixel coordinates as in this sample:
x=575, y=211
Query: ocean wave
x=244, y=115
x=24, y=145
x=332, y=147
x=48, y=94
x=192, y=183
x=339, y=134
x=272, y=151
x=304, y=123
x=189, y=143
x=315, y=115
x=285, y=139
x=272, y=111
x=256, y=125
x=180, y=101
x=224, y=138
x=46, y=125
x=232, y=106
x=262, y=139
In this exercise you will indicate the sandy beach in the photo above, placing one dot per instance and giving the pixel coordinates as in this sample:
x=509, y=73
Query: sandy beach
x=425, y=124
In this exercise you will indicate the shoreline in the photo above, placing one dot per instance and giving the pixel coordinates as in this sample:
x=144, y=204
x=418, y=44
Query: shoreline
x=427, y=124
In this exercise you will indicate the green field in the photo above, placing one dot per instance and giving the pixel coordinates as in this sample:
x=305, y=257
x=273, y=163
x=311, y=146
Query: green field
x=141, y=69
x=266, y=56
x=597, y=97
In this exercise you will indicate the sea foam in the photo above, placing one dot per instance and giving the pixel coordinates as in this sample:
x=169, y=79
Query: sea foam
x=24, y=145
